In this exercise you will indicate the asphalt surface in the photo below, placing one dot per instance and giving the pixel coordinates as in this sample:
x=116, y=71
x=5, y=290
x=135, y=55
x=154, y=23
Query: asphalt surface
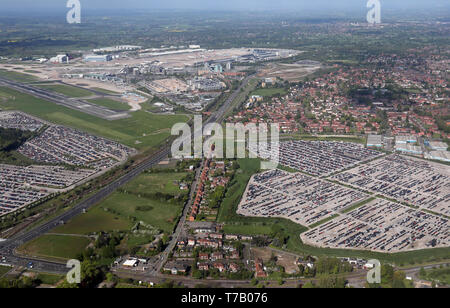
x=7, y=248
x=60, y=99
x=216, y=117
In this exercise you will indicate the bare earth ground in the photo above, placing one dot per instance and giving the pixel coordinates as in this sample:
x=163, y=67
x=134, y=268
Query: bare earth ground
x=290, y=72
x=284, y=259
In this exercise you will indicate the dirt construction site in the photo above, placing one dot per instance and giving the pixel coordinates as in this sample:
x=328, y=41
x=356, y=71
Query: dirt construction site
x=290, y=72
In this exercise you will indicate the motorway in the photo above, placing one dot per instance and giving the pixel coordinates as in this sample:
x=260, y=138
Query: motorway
x=59, y=99
x=7, y=247
x=216, y=117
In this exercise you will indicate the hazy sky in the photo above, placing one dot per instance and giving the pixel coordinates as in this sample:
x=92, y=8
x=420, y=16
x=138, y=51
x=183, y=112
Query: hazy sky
x=323, y=5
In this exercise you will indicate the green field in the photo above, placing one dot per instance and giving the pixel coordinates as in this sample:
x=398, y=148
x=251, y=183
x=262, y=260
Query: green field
x=110, y=103
x=161, y=215
x=248, y=229
x=142, y=130
x=105, y=91
x=149, y=183
x=62, y=247
x=117, y=211
x=19, y=77
x=67, y=90
x=94, y=221
x=4, y=270
x=15, y=158
x=269, y=92
x=227, y=211
x=133, y=240
x=5, y=96
x=49, y=279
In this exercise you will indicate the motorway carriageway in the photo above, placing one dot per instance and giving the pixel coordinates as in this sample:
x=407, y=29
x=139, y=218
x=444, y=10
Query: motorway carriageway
x=59, y=99
x=7, y=247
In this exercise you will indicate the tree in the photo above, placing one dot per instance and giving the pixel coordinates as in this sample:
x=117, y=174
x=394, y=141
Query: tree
x=91, y=274
x=331, y=282
x=422, y=272
x=197, y=274
x=387, y=273
x=66, y=285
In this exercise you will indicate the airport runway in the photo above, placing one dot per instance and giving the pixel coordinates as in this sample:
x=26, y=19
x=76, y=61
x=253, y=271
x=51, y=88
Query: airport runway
x=7, y=247
x=60, y=99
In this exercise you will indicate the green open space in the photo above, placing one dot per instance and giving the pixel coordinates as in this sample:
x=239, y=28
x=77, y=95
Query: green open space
x=164, y=182
x=122, y=285
x=4, y=270
x=136, y=201
x=62, y=247
x=159, y=214
x=269, y=92
x=439, y=274
x=49, y=279
x=67, y=90
x=94, y=221
x=10, y=141
x=110, y=103
x=248, y=229
x=142, y=130
x=105, y=91
x=19, y=77
x=133, y=240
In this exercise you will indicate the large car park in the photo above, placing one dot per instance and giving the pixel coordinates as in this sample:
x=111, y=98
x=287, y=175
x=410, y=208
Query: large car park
x=382, y=226
x=62, y=145
x=18, y=120
x=21, y=186
x=337, y=219
x=301, y=198
x=71, y=157
x=418, y=182
x=321, y=158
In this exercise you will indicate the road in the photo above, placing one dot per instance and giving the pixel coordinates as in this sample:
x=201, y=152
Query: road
x=178, y=231
x=216, y=117
x=8, y=247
